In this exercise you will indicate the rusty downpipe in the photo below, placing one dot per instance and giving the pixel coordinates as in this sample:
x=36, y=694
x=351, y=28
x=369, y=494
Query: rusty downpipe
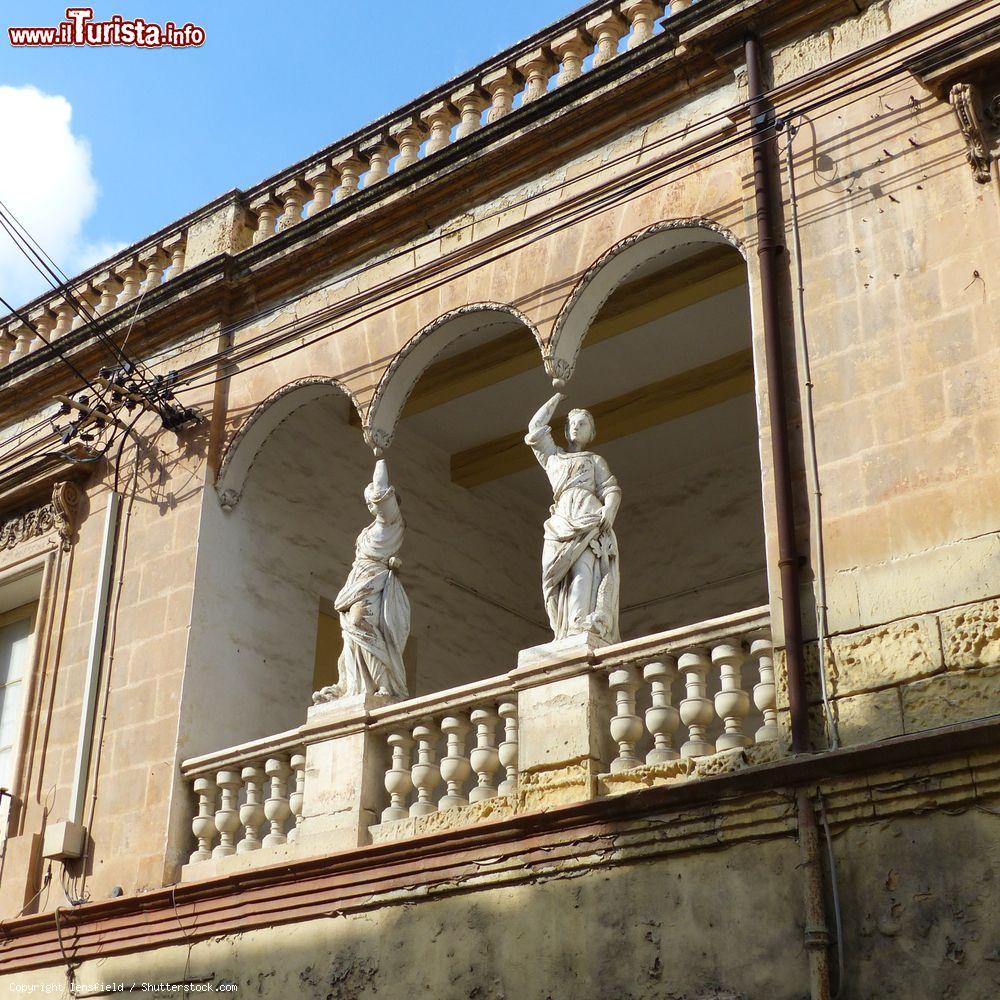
x=768, y=251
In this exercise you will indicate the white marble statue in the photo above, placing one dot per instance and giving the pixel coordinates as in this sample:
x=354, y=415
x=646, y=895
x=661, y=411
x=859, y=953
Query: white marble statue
x=374, y=609
x=580, y=572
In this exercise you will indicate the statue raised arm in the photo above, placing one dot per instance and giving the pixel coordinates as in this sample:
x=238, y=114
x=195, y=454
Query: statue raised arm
x=580, y=571
x=374, y=609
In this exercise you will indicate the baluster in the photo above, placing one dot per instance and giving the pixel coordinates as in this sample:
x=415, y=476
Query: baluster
x=455, y=767
x=293, y=195
x=425, y=773
x=642, y=15
x=398, y=782
x=266, y=208
x=7, y=343
x=378, y=151
x=502, y=85
x=252, y=811
x=131, y=276
x=296, y=800
x=350, y=166
x=731, y=702
x=227, y=819
x=65, y=314
x=110, y=288
x=536, y=67
x=43, y=321
x=696, y=708
x=471, y=101
x=485, y=758
x=176, y=246
x=662, y=719
x=608, y=29
x=322, y=179
x=276, y=807
x=439, y=119
x=508, y=748
x=408, y=134
x=571, y=49
x=626, y=727
x=203, y=825
x=155, y=262
x=23, y=336
x=88, y=297
x=764, y=694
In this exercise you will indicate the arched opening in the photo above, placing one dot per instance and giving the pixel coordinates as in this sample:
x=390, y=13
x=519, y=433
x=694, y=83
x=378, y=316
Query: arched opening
x=273, y=553
x=471, y=552
x=658, y=336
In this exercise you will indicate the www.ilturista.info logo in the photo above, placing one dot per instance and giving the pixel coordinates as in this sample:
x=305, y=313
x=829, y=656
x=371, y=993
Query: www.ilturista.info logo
x=80, y=28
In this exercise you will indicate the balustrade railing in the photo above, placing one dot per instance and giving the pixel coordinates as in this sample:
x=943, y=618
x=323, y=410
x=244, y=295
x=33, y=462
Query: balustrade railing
x=250, y=799
x=671, y=699
x=479, y=98
x=93, y=295
x=663, y=710
x=443, y=758
x=499, y=87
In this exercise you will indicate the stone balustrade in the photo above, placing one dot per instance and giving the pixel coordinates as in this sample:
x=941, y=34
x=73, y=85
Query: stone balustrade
x=676, y=705
x=465, y=755
x=94, y=295
x=687, y=696
x=248, y=798
x=499, y=88
x=520, y=76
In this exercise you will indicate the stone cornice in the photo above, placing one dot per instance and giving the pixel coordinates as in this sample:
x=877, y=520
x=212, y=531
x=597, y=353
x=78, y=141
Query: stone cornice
x=557, y=125
x=953, y=766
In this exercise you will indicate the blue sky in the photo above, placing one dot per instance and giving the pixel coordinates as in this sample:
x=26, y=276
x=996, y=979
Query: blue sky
x=167, y=130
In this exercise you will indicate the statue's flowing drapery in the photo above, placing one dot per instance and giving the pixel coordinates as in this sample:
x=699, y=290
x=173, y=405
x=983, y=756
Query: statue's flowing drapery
x=374, y=609
x=581, y=482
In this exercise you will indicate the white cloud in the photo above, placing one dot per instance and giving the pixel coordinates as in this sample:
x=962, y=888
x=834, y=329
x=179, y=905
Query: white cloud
x=47, y=181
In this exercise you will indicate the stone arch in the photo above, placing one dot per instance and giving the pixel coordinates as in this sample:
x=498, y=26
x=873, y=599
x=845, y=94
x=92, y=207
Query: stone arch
x=409, y=364
x=610, y=271
x=245, y=444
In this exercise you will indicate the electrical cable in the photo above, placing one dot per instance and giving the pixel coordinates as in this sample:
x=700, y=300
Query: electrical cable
x=61, y=284
x=835, y=894
x=809, y=437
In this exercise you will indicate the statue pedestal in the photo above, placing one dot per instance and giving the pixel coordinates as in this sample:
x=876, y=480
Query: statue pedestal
x=345, y=771
x=563, y=720
x=566, y=650
x=347, y=708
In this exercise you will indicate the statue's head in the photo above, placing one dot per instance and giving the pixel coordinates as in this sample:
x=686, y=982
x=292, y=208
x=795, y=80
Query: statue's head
x=369, y=493
x=580, y=428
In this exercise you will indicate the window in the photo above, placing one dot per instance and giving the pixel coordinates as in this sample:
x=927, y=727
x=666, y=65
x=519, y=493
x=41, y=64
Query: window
x=16, y=635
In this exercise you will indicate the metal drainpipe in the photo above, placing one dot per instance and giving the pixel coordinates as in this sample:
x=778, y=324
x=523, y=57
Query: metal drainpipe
x=768, y=250
x=95, y=655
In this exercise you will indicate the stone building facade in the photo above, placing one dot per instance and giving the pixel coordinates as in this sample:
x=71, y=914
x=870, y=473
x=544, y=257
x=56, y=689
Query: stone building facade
x=758, y=239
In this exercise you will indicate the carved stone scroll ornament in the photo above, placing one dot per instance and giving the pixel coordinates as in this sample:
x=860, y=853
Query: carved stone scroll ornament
x=65, y=501
x=974, y=120
x=57, y=515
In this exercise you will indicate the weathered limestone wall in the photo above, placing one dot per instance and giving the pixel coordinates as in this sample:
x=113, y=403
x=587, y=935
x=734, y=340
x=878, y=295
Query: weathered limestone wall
x=705, y=903
x=132, y=765
x=910, y=675
x=900, y=250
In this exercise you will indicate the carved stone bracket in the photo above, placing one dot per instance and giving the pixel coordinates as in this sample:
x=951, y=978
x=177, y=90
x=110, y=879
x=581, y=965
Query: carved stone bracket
x=978, y=121
x=65, y=501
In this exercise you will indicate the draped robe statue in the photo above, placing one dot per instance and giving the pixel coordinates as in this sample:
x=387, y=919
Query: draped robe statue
x=580, y=571
x=374, y=609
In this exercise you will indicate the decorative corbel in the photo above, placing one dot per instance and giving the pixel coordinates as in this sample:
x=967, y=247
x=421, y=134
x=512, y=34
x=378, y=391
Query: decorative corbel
x=65, y=501
x=973, y=119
